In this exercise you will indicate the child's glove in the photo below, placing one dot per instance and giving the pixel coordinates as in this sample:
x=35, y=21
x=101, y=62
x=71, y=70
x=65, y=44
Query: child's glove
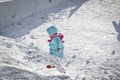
x=58, y=50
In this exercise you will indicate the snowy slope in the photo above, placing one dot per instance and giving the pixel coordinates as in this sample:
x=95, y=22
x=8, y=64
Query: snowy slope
x=92, y=41
x=12, y=11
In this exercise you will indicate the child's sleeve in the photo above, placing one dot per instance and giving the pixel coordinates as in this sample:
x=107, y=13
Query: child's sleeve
x=59, y=43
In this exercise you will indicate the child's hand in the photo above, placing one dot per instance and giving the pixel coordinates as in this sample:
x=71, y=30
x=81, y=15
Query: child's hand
x=58, y=50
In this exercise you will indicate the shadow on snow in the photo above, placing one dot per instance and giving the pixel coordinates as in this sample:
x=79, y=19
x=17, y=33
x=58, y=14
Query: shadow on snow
x=117, y=28
x=78, y=4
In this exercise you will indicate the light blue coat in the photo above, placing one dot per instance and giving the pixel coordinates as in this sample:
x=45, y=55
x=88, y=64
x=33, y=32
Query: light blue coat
x=55, y=43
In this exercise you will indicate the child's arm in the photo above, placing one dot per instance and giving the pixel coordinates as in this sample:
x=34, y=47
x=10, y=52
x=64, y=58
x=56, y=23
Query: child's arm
x=59, y=44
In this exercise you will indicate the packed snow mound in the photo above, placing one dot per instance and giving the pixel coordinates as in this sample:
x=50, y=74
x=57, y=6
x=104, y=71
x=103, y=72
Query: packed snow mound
x=92, y=40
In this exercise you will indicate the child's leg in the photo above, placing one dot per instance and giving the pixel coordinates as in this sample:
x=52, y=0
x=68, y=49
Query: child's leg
x=56, y=63
x=51, y=60
x=51, y=63
x=59, y=66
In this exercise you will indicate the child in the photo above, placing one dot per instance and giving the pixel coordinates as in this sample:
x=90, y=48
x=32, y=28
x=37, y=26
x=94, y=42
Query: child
x=56, y=49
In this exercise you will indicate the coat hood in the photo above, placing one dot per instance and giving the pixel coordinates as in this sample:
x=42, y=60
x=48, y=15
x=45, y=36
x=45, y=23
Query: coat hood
x=51, y=30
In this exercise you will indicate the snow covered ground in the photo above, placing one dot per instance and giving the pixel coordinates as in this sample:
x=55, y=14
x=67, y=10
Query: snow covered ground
x=12, y=11
x=92, y=42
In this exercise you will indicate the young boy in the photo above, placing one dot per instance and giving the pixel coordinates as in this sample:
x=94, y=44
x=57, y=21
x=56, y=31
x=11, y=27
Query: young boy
x=56, y=49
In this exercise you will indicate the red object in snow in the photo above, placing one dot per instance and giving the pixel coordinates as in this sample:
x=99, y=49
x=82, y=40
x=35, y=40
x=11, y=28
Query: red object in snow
x=49, y=66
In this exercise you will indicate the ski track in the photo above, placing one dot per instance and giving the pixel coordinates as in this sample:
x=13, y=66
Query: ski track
x=91, y=30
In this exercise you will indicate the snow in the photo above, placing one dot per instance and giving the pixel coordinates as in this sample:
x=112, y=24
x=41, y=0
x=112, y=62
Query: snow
x=12, y=11
x=92, y=41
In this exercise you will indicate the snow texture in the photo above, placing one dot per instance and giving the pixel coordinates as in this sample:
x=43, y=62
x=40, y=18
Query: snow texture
x=92, y=42
x=12, y=11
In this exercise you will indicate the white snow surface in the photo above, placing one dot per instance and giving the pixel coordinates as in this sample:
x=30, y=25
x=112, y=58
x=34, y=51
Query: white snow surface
x=92, y=41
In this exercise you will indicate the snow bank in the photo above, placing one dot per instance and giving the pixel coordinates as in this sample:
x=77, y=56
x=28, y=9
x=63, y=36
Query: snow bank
x=12, y=11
